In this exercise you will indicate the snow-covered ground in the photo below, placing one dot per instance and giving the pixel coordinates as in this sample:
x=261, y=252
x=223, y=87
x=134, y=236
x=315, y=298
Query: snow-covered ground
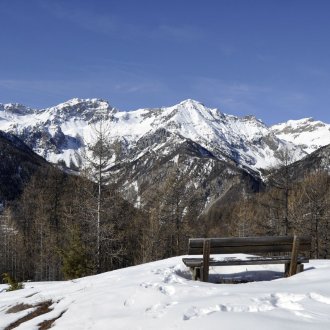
x=161, y=295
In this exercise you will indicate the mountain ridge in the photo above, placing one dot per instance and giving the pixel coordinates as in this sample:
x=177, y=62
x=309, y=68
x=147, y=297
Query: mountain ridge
x=246, y=140
x=308, y=133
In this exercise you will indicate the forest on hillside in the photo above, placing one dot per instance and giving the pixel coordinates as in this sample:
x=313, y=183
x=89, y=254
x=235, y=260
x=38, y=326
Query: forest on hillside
x=65, y=226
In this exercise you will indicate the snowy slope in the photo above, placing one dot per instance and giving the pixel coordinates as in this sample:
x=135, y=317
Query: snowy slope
x=160, y=295
x=61, y=133
x=308, y=133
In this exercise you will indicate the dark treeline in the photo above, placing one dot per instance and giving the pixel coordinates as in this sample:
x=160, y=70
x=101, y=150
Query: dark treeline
x=62, y=227
x=59, y=228
x=286, y=207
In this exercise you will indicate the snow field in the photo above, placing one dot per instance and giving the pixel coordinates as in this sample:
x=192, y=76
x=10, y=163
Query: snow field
x=161, y=295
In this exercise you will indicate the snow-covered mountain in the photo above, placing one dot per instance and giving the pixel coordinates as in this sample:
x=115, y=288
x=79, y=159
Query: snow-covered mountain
x=61, y=133
x=222, y=154
x=307, y=133
x=161, y=295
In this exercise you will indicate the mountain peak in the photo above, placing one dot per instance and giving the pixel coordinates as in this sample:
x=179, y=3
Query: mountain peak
x=253, y=119
x=300, y=125
x=81, y=108
x=191, y=102
x=250, y=117
x=15, y=108
x=194, y=107
x=86, y=103
x=309, y=133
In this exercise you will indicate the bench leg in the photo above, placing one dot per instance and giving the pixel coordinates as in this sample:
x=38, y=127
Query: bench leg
x=294, y=256
x=196, y=273
x=300, y=268
x=204, y=273
x=206, y=260
x=286, y=269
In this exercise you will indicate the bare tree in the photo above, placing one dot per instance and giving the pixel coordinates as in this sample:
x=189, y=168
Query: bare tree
x=282, y=181
x=98, y=163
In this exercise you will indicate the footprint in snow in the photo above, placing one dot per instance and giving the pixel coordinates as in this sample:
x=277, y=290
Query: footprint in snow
x=288, y=301
x=159, y=310
x=305, y=315
x=261, y=305
x=173, y=278
x=168, y=290
x=146, y=285
x=195, y=312
x=320, y=298
x=129, y=302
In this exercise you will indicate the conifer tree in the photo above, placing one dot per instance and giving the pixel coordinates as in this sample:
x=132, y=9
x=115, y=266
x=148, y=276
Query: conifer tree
x=75, y=257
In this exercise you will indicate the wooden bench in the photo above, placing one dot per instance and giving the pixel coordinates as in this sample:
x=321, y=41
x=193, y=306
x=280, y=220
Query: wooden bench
x=270, y=248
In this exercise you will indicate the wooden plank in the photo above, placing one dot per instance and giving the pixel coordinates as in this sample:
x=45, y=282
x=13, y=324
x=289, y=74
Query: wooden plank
x=236, y=241
x=253, y=262
x=294, y=256
x=192, y=261
x=262, y=249
x=243, y=241
x=248, y=245
x=206, y=260
x=197, y=262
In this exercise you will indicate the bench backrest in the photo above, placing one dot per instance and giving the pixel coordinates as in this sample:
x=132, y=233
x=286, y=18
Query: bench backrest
x=266, y=244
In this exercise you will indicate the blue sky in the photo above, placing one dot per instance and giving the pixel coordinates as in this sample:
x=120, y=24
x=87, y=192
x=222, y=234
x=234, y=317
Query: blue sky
x=262, y=57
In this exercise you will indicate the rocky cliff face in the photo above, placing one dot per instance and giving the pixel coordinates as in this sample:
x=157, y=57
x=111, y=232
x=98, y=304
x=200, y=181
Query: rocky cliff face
x=163, y=153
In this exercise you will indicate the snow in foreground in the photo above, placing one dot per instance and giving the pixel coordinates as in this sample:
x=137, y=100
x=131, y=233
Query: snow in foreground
x=161, y=295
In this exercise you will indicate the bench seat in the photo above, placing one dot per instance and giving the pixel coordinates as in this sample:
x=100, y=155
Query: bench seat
x=235, y=261
x=265, y=249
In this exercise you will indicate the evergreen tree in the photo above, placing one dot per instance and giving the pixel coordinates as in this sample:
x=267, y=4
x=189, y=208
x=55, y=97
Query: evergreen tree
x=75, y=257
